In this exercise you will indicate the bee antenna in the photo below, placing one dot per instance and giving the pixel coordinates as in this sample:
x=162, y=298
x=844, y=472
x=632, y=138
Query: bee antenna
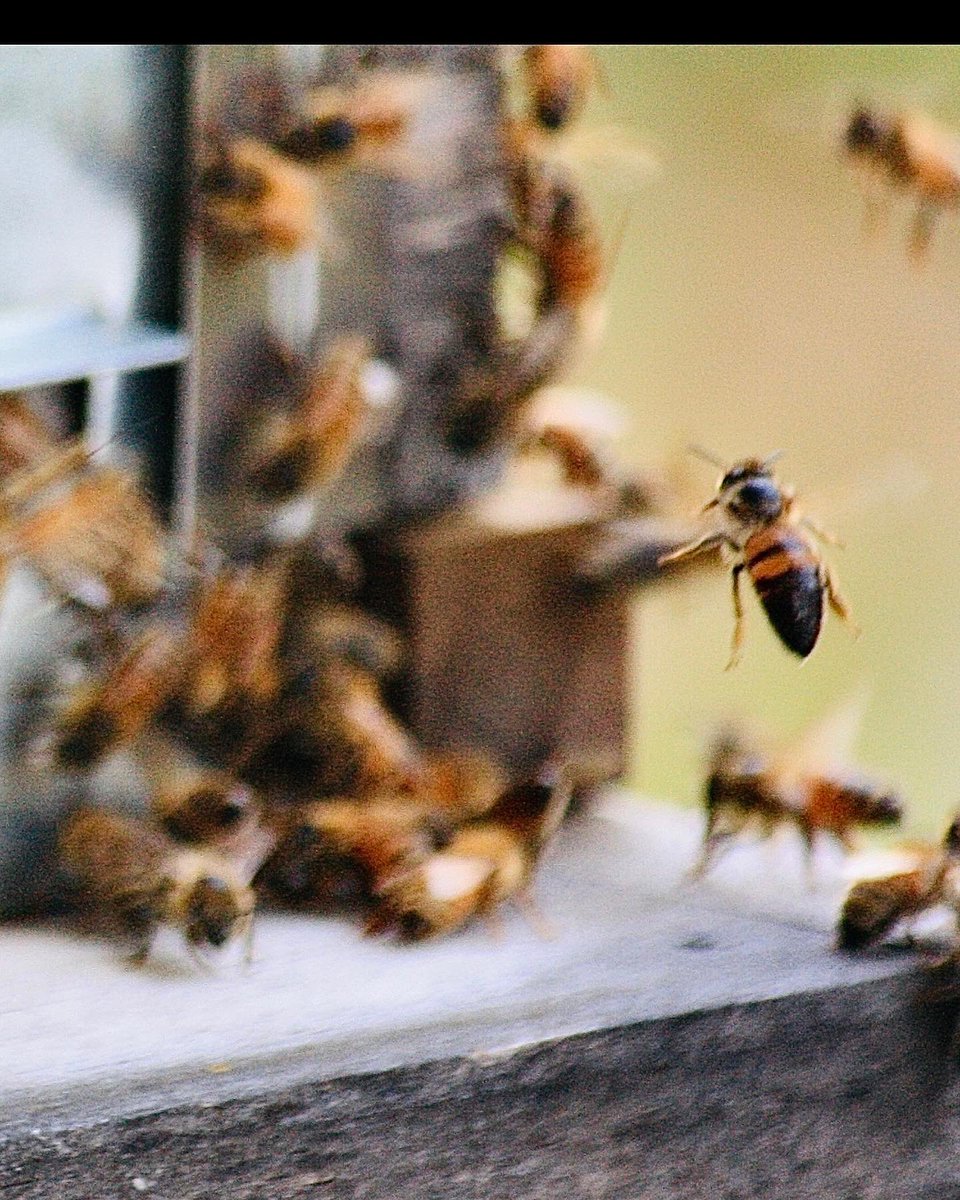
x=707, y=456
x=771, y=459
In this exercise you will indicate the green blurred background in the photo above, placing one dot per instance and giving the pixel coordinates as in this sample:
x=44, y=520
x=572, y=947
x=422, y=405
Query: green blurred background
x=749, y=312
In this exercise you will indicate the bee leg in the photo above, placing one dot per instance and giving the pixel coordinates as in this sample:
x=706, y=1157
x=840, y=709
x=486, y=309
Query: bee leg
x=922, y=231
x=736, y=647
x=838, y=604
x=535, y=919
x=713, y=843
x=139, y=956
x=825, y=535
x=700, y=545
x=248, y=940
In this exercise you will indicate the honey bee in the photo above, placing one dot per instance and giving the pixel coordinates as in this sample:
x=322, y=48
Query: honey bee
x=87, y=530
x=584, y=465
x=194, y=802
x=341, y=853
x=334, y=124
x=107, y=713
x=873, y=907
x=748, y=789
x=908, y=151
x=765, y=535
x=306, y=449
x=139, y=880
x=555, y=227
x=490, y=858
x=254, y=200
x=559, y=80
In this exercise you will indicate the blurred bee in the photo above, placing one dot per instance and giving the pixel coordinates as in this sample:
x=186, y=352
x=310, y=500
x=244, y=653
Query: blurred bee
x=254, y=200
x=746, y=789
x=257, y=190
x=296, y=452
x=490, y=859
x=766, y=537
x=139, y=880
x=584, y=465
x=86, y=529
x=230, y=673
x=460, y=783
x=106, y=713
x=98, y=544
x=908, y=151
x=197, y=803
x=559, y=79
x=355, y=125
x=554, y=226
x=341, y=853
x=873, y=907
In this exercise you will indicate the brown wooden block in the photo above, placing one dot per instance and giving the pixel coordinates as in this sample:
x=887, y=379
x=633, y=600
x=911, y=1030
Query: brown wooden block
x=505, y=652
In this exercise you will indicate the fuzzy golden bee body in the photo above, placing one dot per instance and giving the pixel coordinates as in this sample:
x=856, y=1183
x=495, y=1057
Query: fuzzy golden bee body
x=253, y=200
x=107, y=713
x=490, y=859
x=873, y=907
x=139, y=880
x=768, y=539
x=343, y=852
x=911, y=152
x=297, y=452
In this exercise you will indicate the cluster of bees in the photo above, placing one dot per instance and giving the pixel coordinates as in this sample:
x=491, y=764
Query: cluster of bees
x=246, y=691
x=250, y=705
x=249, y=692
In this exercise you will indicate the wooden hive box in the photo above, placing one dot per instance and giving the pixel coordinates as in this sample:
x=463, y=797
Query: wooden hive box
x=504, y=651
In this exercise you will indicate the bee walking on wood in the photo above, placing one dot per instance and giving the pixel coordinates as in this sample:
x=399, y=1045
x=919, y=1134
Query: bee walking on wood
x=760, y=527
x=874, y=906
x=746, y=788
x=907, y=151
x=490, y=859
x=139, y=880
x=811, y=784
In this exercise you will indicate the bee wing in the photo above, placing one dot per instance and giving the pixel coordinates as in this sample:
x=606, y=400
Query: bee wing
x=610, y=154
x=827, y=745
x=451, y=876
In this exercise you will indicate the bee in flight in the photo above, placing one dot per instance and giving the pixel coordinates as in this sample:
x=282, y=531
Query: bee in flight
x=759, y=526
x=908, y=151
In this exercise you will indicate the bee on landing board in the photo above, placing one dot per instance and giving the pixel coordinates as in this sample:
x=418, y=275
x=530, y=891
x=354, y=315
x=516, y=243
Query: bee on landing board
x=341, y=853
x=747, y=788
x=138, y=880
x=760, y=528
x=873, y=907
x=905, y=151
x=490, y=859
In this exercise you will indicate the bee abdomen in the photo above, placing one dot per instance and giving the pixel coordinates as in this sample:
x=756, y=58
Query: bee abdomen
x=787, y=579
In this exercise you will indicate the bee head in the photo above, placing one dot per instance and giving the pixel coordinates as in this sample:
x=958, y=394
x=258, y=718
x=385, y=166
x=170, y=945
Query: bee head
x=865, y=131
x=412, y=926
x=951, y=842
x=749, y=491
x=212, y=807
x=213, y=912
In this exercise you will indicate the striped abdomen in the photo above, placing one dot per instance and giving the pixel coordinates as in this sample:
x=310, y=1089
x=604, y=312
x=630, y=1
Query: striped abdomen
x=786, y=573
